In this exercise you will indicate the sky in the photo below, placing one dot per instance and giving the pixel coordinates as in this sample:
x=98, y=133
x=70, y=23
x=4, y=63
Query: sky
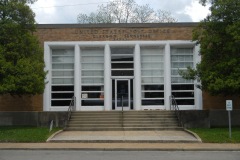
x=66, y=11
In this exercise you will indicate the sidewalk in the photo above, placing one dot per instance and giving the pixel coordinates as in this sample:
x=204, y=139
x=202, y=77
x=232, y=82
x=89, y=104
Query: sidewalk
x=122, y=146
x=123, y=141
x=163, y=136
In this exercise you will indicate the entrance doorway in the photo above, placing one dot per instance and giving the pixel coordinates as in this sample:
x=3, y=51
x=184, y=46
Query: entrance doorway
x=122, y=94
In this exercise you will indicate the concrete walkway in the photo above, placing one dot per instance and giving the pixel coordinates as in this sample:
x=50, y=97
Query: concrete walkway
x=123, y=141
x=125, y=137
x=122, y=146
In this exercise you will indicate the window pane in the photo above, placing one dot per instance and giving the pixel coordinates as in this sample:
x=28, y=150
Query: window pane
x=62, y=66
x=182, y=50
x=182, y=64
x=60, y=102
x=183, y=94
x=152, y=102
x=63, y=59
x=152, y=58
x=92, y=73
x=152, y=72
x=153, y=80
x=182, y=58
x=92, y=88
x=152, y=65
x=92, y=51
x=91, y=95
x=62, y=95
x=185, y=101
x=92, y=59
x=63, y=52
x=62, y=73
x=180, y=80
x=153, y=87
x=62, y=81
x=152, y=50
x=92, y=80
x=62, y=88
x=122, y=65
x=121, y=50
x=122, y=73
x=92, y=66
x=122, y=58
x=183, y=87
x=92, y=102
x=174, y=72
x=153, y=94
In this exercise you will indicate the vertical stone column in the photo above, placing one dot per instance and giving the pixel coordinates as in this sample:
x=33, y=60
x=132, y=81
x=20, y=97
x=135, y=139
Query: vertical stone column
x=197, y=91
x=137, y=79
x=107, y=79
x=47, y=90
x=77, y=77
x=167, y=76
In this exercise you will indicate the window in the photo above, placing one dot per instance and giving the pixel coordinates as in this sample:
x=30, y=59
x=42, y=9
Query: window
x=182, y=89
x=152, y=78
x=92, y=61
x=122, y=62
x=62, y=87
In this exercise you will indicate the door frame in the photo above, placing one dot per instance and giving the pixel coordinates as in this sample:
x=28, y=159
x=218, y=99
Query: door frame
x=129, y=94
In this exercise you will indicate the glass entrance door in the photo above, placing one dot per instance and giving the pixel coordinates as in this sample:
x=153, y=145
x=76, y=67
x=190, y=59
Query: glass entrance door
x=122, y=94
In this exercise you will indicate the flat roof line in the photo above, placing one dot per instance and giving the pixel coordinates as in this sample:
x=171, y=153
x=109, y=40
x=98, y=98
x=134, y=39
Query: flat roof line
x=119, y=25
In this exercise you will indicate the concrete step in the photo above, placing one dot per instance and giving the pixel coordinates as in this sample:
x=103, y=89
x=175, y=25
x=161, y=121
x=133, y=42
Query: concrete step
x=128, y=120
x=125, y=112
x=119, y=113
x=112, y=112
x=124, y=119
x=124, y=116
x=112, y=122
x=121, y=128
x=125, y=125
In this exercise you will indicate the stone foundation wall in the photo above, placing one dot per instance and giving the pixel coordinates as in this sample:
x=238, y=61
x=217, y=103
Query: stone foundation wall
x=39, y=119
x=191, y=118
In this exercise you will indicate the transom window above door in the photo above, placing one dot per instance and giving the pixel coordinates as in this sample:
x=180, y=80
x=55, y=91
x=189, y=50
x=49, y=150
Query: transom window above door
x=122, y=62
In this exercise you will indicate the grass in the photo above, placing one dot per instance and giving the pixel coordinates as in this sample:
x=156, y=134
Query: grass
x=218, y=135
x=25, y=134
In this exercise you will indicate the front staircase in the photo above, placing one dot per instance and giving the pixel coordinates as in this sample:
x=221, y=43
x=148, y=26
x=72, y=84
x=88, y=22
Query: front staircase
x=117, y=121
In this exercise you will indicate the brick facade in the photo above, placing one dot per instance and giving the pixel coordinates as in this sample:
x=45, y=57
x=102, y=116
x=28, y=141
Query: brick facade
x=21, y=103
x=108, y=32
x=115, y=32
x=219, y=102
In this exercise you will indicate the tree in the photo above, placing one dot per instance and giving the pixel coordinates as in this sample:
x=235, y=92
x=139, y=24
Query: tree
x=219, y=38
x=21, y=57
x=126, y=11
x=143, y=14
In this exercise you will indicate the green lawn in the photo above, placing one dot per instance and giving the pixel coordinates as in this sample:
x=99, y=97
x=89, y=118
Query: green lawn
x=25, y=134
x=218, y=135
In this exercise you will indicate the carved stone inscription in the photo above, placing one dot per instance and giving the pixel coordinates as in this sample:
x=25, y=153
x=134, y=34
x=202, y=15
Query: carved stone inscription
x=122, y=34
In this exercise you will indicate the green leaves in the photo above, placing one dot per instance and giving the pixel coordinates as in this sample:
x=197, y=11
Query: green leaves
x=219, y=38
x=21, y=57
x=26, y=77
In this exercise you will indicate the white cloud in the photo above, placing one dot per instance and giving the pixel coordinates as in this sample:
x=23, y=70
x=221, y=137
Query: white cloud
x=196, y=11
x=66, y=11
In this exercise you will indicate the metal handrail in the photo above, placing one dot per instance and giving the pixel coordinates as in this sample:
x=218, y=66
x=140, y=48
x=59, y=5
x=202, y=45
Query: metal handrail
x=173, y=103
x=122, y=110
x=71, y=108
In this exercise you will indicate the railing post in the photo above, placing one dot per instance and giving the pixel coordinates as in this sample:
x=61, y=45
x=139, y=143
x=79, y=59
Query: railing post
x=122, y=110
x=173, y=104
x=170, y=102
